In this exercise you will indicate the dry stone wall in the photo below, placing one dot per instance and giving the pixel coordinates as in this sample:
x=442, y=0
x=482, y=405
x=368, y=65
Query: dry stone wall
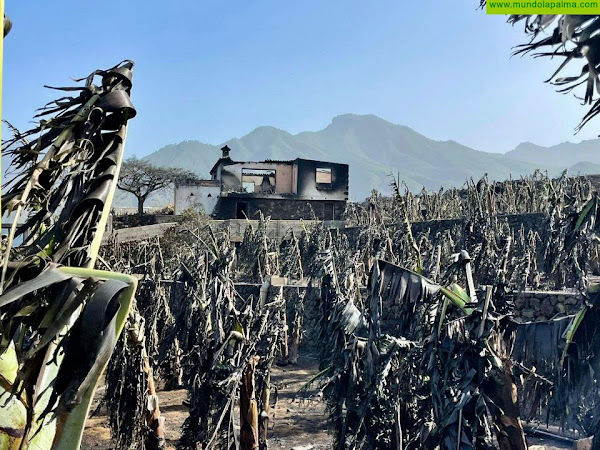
x=529, y=306
x=539, y=305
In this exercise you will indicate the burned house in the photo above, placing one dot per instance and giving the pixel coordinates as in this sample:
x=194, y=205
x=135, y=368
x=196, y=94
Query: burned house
x=291, y=190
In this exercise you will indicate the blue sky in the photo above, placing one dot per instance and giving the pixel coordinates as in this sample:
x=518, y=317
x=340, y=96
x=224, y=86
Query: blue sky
x=212, y=70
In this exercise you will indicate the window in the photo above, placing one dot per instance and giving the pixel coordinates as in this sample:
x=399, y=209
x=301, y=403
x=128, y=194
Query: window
x=258, y=180
x=323, y=176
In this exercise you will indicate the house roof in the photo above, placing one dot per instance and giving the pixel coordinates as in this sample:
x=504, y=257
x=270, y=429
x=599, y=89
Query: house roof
x=280, y=161
x=226, y=161
x=212, y=183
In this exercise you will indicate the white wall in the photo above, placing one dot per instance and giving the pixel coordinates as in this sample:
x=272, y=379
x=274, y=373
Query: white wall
x=200, y=197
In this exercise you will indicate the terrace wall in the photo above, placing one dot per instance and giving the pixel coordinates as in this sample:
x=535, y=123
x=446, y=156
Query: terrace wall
x=529, y=306
x=533, y=221
x=540, y=305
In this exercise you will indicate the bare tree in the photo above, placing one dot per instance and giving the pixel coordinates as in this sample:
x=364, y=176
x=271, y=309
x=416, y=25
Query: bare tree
x=142, y=178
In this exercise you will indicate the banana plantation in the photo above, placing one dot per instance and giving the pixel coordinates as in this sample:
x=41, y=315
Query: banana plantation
x=414, y=311
x=417, y=334
x=467, y=318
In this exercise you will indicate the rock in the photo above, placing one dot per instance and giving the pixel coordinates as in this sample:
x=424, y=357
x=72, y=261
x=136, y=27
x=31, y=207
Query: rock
x=276, y=280
x=535, y=303
x=303, y=447
x=528, y=313
x=583, y=444
x=561, y=308
x=553, y=299
x=541, y=295
x=520, y=303
x=547, y=309
x=572, y=301
x=561, y=298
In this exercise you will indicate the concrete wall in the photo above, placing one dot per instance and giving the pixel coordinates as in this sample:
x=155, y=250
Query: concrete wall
x=128, y=210
x=284, y=179
x=307, y=187
x=292, y=177
x=276, y=229
x=137, y=233
x=205, y=197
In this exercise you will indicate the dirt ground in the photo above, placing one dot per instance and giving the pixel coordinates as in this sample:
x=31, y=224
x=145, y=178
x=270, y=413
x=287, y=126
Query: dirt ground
x=294, y=423
x=298, y=424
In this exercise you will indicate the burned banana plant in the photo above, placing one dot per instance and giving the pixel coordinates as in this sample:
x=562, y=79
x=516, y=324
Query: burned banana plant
x=132, y=402
x=240, y=340
x=439, y=379
x=348, y=371
x=577, y=397
x=471, y=387
x=60, y=318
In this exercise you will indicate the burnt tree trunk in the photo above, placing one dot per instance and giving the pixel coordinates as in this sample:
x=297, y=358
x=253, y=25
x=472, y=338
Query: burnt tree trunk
x=285, y=353
x=263, y=420
x=297, y=325
x=177, y=368
x=503, y=392
x=154, y=420
x=248, y=409
x=296, y=336
x=155, y=423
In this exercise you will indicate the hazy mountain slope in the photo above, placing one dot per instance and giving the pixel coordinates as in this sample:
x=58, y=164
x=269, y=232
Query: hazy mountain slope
x=373, y=147
x=562, y=155
x=191, y=155
x=584, y=168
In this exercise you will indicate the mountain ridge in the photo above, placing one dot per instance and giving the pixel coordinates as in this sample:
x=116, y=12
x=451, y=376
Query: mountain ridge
x=375, y=149
x=564, y=154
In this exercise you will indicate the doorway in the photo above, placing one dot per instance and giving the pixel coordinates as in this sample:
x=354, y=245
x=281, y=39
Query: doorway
x=328, y=211
x=241, y=210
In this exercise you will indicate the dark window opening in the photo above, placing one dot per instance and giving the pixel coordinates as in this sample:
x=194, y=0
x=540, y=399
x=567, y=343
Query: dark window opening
x=328, y=211
x=241, y=210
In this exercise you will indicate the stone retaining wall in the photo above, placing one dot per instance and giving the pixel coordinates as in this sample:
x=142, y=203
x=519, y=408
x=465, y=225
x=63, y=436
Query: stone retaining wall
x=529, y=306
x=531, y=221
x=539, y=305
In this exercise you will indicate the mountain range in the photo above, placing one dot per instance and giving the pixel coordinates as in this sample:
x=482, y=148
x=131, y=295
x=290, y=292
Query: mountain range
x=376, y=149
